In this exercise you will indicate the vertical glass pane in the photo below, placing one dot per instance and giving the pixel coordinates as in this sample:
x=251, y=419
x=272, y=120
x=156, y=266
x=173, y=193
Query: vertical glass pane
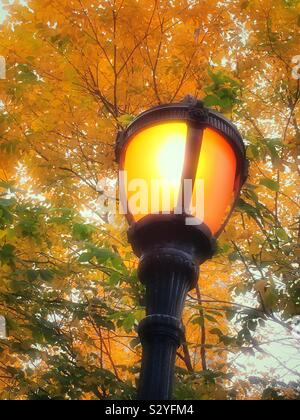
x=154, y=163
x=217, y=169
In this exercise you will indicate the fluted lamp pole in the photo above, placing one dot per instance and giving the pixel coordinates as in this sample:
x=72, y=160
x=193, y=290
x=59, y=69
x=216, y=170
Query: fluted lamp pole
x=180, y=145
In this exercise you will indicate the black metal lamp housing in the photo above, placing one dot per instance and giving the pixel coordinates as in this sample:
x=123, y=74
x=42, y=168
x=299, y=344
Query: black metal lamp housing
x=180, y=146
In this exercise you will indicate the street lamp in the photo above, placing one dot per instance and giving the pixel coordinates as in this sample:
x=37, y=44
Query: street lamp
x=175, y=150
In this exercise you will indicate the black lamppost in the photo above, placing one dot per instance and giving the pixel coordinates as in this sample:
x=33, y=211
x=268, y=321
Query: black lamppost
x=173, y=143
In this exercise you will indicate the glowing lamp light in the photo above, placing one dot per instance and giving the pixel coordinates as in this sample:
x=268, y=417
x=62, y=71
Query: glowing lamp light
x=183, y=168
x=169, y=144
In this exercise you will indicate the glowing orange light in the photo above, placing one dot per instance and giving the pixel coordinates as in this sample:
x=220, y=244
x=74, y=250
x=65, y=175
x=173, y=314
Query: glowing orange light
x=217, y=168
x=157, y=153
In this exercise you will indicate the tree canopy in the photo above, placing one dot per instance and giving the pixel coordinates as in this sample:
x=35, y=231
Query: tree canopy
x=76, y=72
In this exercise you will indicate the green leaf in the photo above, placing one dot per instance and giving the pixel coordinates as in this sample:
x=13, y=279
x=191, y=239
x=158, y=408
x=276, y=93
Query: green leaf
x=269, y=183
x=114, y=279
x=210, y=318
x=7, y=253
x=32, y=275
x=126, y=119
x=64, y=216
x=129, y=322
x=252, y=325
x=212, y=100
x=271, y=146
x=25, y=74
x=281, y=233
x=4, y=202
x=245, y=207
x=252, y=151
x=103, y=254
x=46, y=275
x=230, y=313
x=86, y=257
x=103, y=322
x=82, y=232
x=139, y=314
x=262, y=323
x=247, y=334
x=135, y=342
x=216, y=331
x=198, y=320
